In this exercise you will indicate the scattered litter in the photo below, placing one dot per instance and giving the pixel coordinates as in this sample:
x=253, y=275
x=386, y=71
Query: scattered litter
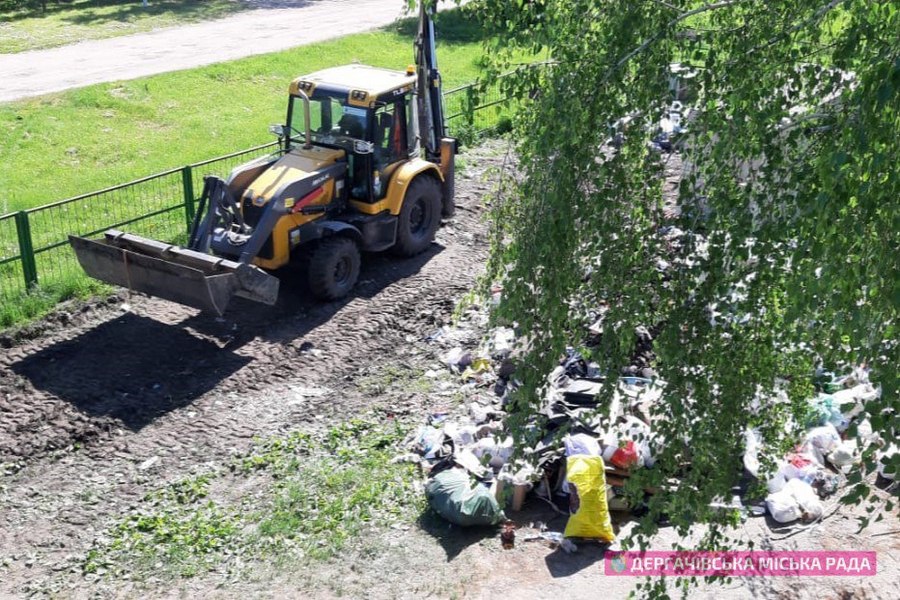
x=593, y=430
x=150, y=462
x=429, y=441
x=508, y=535
x=458, y=359
x=555, y=540
x=797, y=500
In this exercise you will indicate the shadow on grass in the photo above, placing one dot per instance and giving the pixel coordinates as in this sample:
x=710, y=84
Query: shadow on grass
x=132, y=11
x=9, y=12
x=84, y=12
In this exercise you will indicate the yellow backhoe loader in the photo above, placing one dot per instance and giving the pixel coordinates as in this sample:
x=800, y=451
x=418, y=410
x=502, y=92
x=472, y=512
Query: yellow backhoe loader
x=364, y=164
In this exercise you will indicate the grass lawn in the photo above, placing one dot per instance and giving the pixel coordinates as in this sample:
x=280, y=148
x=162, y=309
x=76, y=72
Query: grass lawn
x=64, y=144
x=65, y=23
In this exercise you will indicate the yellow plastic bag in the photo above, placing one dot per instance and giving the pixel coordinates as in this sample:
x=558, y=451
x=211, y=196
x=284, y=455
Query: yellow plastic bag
x=589, y=513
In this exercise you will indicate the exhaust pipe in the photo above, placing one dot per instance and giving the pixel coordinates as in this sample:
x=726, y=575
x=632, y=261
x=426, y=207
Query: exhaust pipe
x=171, y=272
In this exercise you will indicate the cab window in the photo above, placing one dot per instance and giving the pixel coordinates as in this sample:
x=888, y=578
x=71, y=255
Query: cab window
x=391, y=144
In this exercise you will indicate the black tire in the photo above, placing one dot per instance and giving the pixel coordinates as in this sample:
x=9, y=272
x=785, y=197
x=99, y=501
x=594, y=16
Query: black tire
x=333, y=268
x=420, y=216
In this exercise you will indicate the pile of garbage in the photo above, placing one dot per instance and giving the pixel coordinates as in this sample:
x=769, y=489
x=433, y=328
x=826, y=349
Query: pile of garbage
x=583, y=455
x=580, y=448
x=816, y=466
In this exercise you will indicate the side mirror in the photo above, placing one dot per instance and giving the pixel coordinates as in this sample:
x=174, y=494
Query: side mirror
x=363, y=147
x=277, y=130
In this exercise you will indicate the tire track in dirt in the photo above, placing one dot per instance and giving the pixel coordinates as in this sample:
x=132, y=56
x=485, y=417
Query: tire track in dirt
x=98, y=405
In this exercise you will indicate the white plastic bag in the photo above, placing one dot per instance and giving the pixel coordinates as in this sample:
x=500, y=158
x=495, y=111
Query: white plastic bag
x=820, y=441
x=752, y=442
x=428, y=441
x=636, y=430
x=844, y=454
x=783, y=507
x=801, y=465
x=806, y=498
x=778, y=480
x=581, y=443
x=499, y=451
x=796, y=500
x=462, y=435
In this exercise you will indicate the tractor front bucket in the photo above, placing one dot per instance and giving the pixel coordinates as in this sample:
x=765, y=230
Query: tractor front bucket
x=171, y=272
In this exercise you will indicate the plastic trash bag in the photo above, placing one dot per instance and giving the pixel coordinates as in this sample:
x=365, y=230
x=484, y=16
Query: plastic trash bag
x=428, y=441
x=752, y=442
x=843, y=455
x=783, y=507
x=458, y=359
x=462, y=435
x=820, y=441
x=807, y=498
x=825, y=411
x=796, y=500
x=625, y=456
x=581, y=443
x=800, y=465
x=498, y=452
x=589, y=512
x=628, y=445
x=778, y=480
x=453, y=495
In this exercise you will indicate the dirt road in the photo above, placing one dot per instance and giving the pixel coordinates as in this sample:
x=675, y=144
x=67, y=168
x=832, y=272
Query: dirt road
x=274, y=25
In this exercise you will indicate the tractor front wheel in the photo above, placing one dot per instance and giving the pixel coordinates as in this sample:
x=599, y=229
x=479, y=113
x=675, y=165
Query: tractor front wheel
x=333, y=268
x=420, y=216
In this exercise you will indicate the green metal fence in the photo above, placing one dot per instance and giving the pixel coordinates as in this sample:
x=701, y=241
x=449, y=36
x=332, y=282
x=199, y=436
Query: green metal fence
x=34, y=247
x=476, y=108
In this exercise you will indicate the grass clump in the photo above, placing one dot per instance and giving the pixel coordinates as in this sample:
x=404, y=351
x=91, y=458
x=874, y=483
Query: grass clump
x=294, y=498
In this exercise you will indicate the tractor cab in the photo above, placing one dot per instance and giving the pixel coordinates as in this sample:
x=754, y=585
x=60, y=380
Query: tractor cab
x=368, y=112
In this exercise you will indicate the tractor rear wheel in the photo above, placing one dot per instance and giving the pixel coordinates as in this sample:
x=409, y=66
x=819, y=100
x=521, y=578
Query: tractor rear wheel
x=420, y=216
x=333, y=268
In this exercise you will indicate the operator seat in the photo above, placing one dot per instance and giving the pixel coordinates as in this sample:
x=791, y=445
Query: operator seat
x=352, y=126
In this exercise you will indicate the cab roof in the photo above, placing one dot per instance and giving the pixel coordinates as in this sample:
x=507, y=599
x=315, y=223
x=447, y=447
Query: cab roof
x=362, y=84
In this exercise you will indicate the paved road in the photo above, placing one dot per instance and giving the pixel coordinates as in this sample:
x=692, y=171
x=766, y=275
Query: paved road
x=272, y=26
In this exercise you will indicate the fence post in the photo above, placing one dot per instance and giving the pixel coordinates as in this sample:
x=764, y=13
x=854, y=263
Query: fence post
x=187, y=182
x=26, y=249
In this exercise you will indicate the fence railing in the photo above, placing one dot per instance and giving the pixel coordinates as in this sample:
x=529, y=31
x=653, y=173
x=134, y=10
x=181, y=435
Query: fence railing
x=34, y=243
x=34, y=246
x=476, y=108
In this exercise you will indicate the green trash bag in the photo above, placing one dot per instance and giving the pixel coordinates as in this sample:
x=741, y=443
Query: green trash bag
x=453, y=496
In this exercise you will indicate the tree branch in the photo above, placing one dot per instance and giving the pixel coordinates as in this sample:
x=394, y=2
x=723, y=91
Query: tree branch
x=670, y=24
